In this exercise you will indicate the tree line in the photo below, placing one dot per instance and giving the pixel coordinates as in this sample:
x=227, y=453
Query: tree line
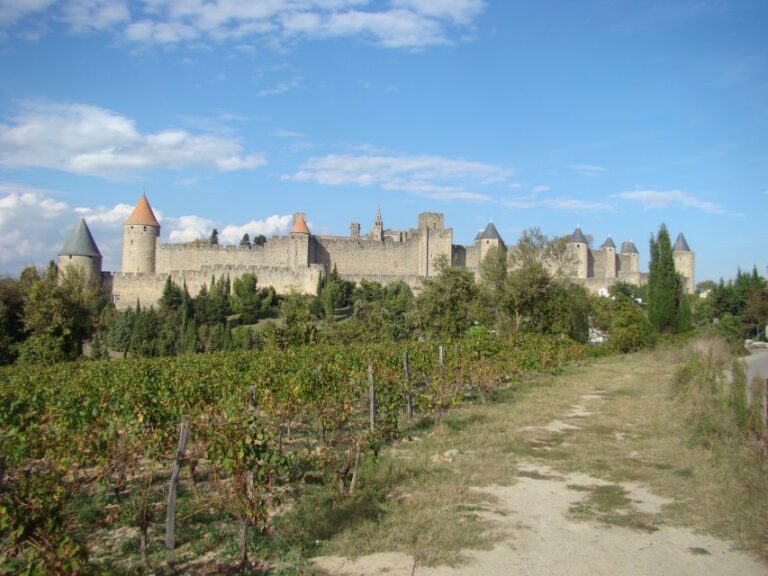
x=49, y=316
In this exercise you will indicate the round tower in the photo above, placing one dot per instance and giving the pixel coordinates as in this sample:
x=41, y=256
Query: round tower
x=80, y=252
x=487, y=239
x=684, y=263
x=300, y=247
x=609, y=249
x=140, y=235
x=630, y=261
x=578, y=245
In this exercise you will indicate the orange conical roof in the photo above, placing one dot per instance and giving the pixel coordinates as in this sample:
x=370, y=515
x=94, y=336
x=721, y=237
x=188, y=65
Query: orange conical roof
x=299, y=224
x=142, y=215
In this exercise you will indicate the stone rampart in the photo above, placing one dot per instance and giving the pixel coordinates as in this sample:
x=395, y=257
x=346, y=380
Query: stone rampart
x=365, y=257
x=148, y=288
x=595, y=284
x=174, y=257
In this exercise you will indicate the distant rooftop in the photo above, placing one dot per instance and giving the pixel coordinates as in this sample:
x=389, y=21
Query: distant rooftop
x=142, y=214
x=680, y=244
x=489, y=233
x=608, y=243
x=80, y=242
x=628, y=248
x=299, y=224
x=577, y=237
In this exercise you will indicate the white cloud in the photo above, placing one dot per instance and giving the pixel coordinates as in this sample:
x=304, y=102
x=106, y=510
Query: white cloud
x=459, y=11
x=113, y=216
x=12, y=11
x=97, y=141
x=281, y=87
x=34, y=225
x=273, y=225
x=665, y=198
x=588, y=169
x=559, y=203
x=95, y=15
x=287, y=134
x=396, y=23
x=435, y=177
x=541, y=188
x=189, y=228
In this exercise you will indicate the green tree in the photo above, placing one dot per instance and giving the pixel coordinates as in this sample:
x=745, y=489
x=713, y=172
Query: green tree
x=259, y=240
x=248, y=299
x=171, y=298
x=245, y=240
x=493, y=281
x=11, y=319
x=297, y=318
x=214, y=237
x=447, y=306
x=629, y=329
x=666, y=309
x=59, y=311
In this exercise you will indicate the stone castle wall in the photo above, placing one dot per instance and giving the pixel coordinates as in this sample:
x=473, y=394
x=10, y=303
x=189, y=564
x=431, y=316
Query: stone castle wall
x=362, y=256
x=594, y=285
x=139, y=248
x=127, y=288
x=175, y=257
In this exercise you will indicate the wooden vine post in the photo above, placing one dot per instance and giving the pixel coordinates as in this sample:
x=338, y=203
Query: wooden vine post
x=245, y=522
x=408, y=394
x=170, y=514
x=371, y=396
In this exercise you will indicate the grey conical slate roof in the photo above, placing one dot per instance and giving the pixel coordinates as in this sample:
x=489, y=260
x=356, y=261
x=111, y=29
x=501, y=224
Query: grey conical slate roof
x=490, y=233
x=608, y=243
x=628, y=248
x=577, y=237
x=680, y=244
x=80, y=242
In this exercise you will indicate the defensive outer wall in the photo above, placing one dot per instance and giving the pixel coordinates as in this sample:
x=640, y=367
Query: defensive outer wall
x=296, y=261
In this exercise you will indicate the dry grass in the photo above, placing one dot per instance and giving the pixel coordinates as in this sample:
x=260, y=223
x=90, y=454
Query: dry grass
x=636, y=433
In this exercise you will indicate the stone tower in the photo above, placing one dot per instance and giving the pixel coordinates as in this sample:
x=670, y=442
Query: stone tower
x=377, y=233
x=684, y=263
x=487, y=239
x=141, y=233
x=80, y=252
x=631, y=256
x=578, y=246
x=609, y=249
x=299, y=251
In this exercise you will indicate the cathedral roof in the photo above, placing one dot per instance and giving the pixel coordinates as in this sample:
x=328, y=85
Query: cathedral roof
x=608, y=243
x=80, y=242
x=680, y=244
x=577, y=237
x=628, y=248
x=490, y=233
x=142, y=214
x=299, y=224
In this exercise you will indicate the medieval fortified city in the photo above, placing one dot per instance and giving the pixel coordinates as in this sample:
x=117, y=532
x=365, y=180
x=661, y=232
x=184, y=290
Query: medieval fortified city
x=296, y=261
x=384, y=287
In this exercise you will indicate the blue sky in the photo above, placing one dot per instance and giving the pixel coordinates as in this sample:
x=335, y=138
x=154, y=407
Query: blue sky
x=612, y=115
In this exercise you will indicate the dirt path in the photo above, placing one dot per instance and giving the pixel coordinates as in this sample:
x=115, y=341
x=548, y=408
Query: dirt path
x=588, y=474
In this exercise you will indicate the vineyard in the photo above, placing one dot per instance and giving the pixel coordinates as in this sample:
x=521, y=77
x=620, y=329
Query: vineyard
x=247, y=426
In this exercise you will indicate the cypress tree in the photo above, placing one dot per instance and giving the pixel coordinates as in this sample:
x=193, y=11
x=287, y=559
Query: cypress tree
x=214, y=238
x=245, y=240
x=665, y=288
